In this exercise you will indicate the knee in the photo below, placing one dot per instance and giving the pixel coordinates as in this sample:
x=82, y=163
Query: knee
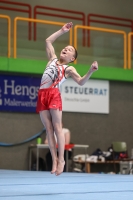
x=58, y=128
x=49, y=129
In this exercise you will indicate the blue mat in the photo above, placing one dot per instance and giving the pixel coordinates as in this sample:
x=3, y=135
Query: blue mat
x=32, y=185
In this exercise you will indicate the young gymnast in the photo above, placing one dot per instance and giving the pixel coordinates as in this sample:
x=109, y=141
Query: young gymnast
x=49, y=103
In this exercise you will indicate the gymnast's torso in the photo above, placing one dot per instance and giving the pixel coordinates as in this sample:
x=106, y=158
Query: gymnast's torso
x=54, y=75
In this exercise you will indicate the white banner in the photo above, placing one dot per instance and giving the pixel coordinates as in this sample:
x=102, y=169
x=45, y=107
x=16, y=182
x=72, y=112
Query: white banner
x=93, y=97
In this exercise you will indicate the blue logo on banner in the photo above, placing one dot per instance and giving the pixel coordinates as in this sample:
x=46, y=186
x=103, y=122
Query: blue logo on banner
x=18, y=93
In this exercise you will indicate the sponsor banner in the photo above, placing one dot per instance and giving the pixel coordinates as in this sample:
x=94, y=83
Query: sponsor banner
x=93, y=97
x=18, y=93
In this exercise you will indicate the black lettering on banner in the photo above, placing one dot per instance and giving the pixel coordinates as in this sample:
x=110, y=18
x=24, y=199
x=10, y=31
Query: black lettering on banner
x=80, y=90
x=76, y=90
x=71, y=89
x=66, y=90
x=86, y=90
x=90, y=90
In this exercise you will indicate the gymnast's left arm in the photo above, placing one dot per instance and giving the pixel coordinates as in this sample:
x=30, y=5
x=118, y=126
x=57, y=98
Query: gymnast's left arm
x=71, y=71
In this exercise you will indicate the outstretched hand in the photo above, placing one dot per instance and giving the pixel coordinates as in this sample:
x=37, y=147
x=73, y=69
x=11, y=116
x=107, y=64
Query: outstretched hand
x=67, y=27
x=94, y=66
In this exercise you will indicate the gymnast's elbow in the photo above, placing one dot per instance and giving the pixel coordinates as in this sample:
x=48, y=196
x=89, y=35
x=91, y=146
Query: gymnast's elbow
x=80, y=82
x=47, y=40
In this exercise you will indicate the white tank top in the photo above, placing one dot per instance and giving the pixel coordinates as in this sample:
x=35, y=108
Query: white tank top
x=54, y=75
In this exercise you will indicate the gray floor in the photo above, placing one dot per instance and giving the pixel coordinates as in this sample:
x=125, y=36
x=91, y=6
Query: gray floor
x=32, y=185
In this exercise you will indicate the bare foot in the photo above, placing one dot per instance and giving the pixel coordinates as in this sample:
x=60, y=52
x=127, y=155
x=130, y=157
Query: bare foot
x=54, y=166
x=60, y=167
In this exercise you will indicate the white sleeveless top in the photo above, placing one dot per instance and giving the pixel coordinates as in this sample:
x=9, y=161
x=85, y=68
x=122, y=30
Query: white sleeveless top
x=53, y=74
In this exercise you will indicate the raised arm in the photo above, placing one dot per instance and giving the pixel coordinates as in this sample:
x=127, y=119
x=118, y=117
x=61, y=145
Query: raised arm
x=49, y=47
x=71, y=71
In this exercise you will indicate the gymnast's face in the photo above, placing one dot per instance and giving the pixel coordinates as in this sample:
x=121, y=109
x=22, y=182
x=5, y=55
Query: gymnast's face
x=68, y=54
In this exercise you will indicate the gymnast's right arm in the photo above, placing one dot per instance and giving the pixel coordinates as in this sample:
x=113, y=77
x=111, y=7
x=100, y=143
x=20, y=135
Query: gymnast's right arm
x=49, y=47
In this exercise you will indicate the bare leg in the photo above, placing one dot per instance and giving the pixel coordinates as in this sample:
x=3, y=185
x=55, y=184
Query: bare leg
x=57, y=124
x=47, y=122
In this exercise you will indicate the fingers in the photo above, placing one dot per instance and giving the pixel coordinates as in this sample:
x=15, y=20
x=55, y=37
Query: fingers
x=95, y=63
x=69, y=25
x=94, y=66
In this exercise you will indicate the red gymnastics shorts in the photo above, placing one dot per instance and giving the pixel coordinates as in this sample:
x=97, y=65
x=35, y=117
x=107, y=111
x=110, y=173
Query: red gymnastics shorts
x=49, y=98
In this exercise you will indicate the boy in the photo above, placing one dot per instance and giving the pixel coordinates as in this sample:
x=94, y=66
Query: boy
x=49, y=103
